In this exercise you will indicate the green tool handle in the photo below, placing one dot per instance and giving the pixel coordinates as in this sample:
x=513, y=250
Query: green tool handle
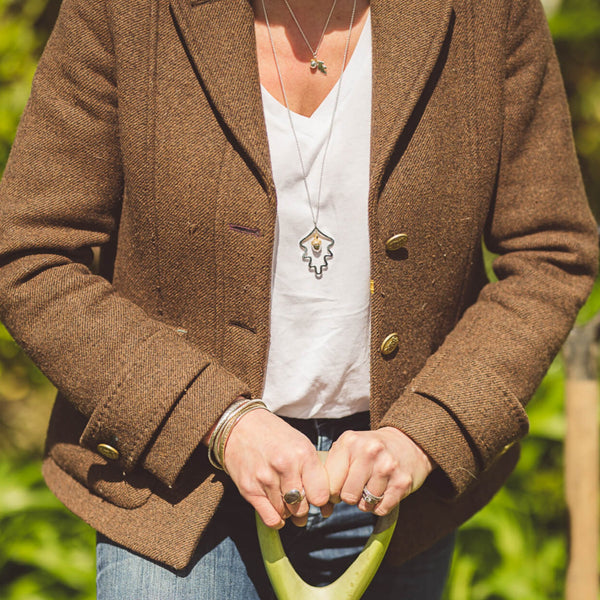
x=351, y=585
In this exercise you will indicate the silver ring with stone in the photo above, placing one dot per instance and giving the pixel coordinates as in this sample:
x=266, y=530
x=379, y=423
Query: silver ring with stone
x=370, y=498
x=294, y=496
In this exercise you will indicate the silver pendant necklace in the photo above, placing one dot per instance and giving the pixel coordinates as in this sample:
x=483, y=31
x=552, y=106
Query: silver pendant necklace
x=315, y=63
x=316, y=245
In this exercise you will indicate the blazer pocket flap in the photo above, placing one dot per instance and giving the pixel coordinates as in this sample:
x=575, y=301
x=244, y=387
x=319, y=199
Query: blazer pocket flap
x=100, y=477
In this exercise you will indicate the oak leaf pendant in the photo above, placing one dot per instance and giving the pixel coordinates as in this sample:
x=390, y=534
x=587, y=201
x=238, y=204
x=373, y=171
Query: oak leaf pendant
x=316, y=247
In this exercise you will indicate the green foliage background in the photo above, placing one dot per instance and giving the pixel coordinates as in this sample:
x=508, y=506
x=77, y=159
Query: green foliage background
x=515, y=549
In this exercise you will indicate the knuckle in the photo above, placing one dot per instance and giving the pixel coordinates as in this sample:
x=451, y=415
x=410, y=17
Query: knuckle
x=367, y=507
x=403, y=485
x=320, y=498
x=301, y=512
x=281, y=463
x=387, y=465
x=304, y=452
x=271, y=520
x=381, y=511
x=248, y=487
x=348, y=437
x=373, y=448
x=265, y=477
x=349, y=498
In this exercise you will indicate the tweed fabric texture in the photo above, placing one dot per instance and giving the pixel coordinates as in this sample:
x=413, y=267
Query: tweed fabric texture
x=144, y=135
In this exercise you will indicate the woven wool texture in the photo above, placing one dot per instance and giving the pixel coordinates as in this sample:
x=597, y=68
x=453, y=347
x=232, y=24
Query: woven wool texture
x=144, y=135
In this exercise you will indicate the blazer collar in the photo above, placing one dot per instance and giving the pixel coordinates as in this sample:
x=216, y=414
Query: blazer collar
x=408, y=36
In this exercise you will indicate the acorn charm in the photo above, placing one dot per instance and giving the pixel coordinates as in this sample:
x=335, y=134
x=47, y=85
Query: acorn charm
x=320, y=65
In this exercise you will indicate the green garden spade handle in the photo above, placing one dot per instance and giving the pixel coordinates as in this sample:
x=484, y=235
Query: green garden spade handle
x=351, y=585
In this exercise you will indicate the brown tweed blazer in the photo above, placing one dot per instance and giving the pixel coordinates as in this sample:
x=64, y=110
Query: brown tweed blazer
x=145, y=135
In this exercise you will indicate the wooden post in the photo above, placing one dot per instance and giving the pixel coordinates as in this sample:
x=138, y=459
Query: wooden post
x=581, y=461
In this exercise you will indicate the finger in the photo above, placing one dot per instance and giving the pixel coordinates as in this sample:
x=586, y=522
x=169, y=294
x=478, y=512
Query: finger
x=376, y=486
x=266, y=511
x=271, y=486
x=369, y=459
x=299, y=521
x=298, y=509
x=388, y=503
x=398, y=488
x=355, y=482
x=291, y=480
x=315, y=480
x=274, y=497
x=359, y=472
x=327, y=510
x=337, y=465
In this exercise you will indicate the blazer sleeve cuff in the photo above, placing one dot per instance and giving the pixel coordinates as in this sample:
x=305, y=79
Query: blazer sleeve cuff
x=169, y=385
x=204, y=402
x=439, y=435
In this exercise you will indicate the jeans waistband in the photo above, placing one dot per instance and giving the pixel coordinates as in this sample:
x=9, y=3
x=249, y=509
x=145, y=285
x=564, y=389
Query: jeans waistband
x=330, y=428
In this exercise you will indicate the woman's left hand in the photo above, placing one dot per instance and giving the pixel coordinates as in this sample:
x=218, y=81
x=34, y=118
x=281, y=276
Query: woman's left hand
x=385, y=461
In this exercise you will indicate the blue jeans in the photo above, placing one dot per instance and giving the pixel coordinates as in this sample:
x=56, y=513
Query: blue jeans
x=227, y=564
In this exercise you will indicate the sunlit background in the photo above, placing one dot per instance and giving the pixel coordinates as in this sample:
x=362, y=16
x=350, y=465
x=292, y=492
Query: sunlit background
x=515, y=549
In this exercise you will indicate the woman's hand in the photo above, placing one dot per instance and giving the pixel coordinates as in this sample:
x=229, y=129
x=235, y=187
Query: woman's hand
x=266, y=457
x=385, y=461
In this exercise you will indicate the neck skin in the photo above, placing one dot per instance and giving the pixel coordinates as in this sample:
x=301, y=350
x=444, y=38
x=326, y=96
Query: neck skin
x=306, y=88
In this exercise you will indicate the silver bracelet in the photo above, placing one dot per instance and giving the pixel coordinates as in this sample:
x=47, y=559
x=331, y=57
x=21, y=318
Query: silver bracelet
x=220, y=434
x=225, y=427
x=218, y=427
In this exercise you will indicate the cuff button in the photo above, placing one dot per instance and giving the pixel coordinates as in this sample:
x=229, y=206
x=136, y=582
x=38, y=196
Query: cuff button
x=108, y=452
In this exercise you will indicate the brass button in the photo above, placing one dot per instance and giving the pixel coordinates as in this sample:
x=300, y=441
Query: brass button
x=396, y=242
x=108, y=451
x=390, y=343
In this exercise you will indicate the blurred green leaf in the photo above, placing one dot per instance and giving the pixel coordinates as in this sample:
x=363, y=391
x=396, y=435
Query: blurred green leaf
x=45, y=552
x=591, y=307
x=576, y=24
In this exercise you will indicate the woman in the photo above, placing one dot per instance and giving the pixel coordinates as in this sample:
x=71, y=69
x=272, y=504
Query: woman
x=272, y=229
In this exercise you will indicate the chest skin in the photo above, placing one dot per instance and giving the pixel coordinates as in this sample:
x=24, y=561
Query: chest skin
x=305, y=87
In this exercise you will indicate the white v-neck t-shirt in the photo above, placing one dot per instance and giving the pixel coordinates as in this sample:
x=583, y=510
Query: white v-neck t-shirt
x=318, y=363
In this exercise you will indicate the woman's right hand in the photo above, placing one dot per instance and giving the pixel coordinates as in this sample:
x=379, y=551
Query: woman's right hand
x=266, y=458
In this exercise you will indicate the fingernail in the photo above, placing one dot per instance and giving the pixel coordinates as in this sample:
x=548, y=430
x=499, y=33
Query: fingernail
x=326, y=511
x=300, y=523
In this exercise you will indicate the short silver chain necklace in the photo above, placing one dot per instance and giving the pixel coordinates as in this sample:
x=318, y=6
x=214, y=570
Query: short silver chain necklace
x=316, y=238
x=315, y=63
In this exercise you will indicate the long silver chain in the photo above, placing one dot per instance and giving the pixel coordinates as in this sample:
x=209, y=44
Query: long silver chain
x=315, y=218
x=314, y=63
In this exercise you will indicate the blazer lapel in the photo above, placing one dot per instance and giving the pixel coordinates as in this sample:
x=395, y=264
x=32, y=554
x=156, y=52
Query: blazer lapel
x=219, y=38
x=408, y=36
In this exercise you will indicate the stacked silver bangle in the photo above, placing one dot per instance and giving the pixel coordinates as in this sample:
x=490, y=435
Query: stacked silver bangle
x=229, y=419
